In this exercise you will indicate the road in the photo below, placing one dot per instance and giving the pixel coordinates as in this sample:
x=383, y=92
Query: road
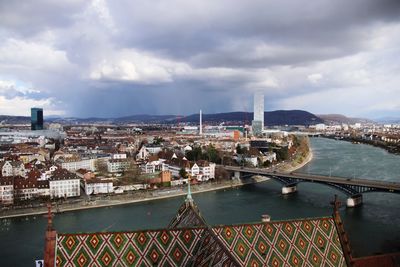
x=389, y=186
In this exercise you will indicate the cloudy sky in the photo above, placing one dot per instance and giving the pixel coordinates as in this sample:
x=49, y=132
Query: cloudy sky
x=114, y=58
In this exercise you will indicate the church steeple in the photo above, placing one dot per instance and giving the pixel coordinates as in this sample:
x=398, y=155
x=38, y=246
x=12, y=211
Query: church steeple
x=50, y=240
x=189, y=193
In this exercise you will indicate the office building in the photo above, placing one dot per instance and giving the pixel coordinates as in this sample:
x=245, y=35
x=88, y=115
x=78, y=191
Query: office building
x=36, y=119
x=258, y=119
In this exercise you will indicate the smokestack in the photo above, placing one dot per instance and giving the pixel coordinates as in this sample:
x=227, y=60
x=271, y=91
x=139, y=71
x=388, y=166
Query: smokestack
x=201, y=124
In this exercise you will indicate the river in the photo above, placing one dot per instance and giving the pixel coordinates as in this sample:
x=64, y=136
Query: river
x=373, y=227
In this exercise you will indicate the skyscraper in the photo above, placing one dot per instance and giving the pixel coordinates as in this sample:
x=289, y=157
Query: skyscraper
x=258, y=119
x=36, y=119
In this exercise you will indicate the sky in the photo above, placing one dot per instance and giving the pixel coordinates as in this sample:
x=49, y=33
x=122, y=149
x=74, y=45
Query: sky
x=98, y=58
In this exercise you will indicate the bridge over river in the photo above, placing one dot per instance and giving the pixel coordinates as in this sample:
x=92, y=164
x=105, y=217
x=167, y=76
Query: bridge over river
x=353, y=187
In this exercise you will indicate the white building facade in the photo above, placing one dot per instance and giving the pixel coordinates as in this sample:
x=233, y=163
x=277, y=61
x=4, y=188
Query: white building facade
x=258, y=119
x=6, y=191
x=64, y=184
x=95, y=186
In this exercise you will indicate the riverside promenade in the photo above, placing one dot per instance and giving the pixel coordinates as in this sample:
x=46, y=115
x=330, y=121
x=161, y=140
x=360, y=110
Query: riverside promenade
x=128, y=198
x=146, y=195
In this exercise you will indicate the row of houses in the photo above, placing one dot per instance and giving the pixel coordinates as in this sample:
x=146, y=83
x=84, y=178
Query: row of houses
x=200, y=170
x=61, y=184
x=115, y=163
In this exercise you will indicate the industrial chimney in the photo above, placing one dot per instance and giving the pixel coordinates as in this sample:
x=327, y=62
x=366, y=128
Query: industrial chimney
x=201, y=124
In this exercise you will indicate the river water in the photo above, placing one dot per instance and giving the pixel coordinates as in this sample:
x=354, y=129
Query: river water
x=373, y=227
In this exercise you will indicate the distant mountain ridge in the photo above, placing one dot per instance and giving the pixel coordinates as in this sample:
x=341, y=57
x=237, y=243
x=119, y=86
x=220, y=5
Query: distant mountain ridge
x=5, y=119
x=278, y=117
x=389, y=120
x=271, y=118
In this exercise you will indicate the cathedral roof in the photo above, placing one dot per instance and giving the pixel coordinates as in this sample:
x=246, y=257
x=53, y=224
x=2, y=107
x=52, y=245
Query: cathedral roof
x=188, y=215
x=313, y=242
x=189, y=241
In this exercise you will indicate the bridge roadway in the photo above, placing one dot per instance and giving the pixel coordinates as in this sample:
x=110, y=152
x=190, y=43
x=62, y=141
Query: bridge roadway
x=353, y=187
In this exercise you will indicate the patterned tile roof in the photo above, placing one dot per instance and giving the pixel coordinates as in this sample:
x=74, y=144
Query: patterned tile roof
x=310, y=242
x=189, y=241
x=211, y=252
x=141, y=248
x=188, y=216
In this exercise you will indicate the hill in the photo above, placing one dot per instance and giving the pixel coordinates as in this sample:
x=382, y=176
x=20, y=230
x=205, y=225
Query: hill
x=4, y=119
x=271, y=118
x=278, y=117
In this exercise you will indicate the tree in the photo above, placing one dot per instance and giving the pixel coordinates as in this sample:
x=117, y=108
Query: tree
x=282, y=154
x=266, y=164
x=213, y=155
x=194, y=154
x=158, y=140
x=101, y=167
x=221, y=174
x=183, y=173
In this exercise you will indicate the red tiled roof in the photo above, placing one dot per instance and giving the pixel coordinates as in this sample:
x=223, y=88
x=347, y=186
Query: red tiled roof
x=63, y=174
x=22, y=183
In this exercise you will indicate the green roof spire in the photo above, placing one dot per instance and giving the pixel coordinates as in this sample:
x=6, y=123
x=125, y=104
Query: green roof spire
x=189, y=193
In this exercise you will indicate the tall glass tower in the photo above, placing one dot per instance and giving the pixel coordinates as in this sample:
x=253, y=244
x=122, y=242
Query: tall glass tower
x=36, y=119
x=258, y=120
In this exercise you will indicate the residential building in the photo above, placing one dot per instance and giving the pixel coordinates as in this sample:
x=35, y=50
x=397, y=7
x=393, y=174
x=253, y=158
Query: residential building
x=12, y=168
x=206, y=170
x=74, y=164
x=63, y=183
x=26, y=158
x=25, y=188
x=96, y=186
x=154, y=166
x=268, y=156
x=119, y=156
x=6, y=190
x=153, y=149
x=143, y=153
x=201, y=170
x=165, y=176
x=43, y=188
x=118, y=165
x=6, y=169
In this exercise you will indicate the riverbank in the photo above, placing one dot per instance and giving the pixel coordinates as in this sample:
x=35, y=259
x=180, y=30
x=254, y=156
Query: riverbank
x=135, y=197
x=391, y=148
x=288, y=167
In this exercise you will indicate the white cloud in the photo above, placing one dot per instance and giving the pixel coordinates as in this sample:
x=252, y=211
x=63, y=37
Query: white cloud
x=9, y=85
x=315, y=78
x=99, y=9
x=20, y=106
x=134, y=66
x=16, y=53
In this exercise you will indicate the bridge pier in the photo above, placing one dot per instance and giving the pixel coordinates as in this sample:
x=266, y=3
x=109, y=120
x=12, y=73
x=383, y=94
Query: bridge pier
x=354, y=201
x=236, y=175
x=289, y=189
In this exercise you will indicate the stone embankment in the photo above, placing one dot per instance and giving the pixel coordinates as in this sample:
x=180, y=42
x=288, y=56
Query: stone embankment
x=301, y=158
x=134, y=197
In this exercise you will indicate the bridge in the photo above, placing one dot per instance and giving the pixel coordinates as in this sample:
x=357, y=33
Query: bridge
x=353, y=187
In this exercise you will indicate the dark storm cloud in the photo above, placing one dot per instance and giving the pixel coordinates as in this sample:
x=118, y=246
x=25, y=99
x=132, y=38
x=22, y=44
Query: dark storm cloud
x=226, y=32
x=31, y=17
x=181, y=98
x=179, y=56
